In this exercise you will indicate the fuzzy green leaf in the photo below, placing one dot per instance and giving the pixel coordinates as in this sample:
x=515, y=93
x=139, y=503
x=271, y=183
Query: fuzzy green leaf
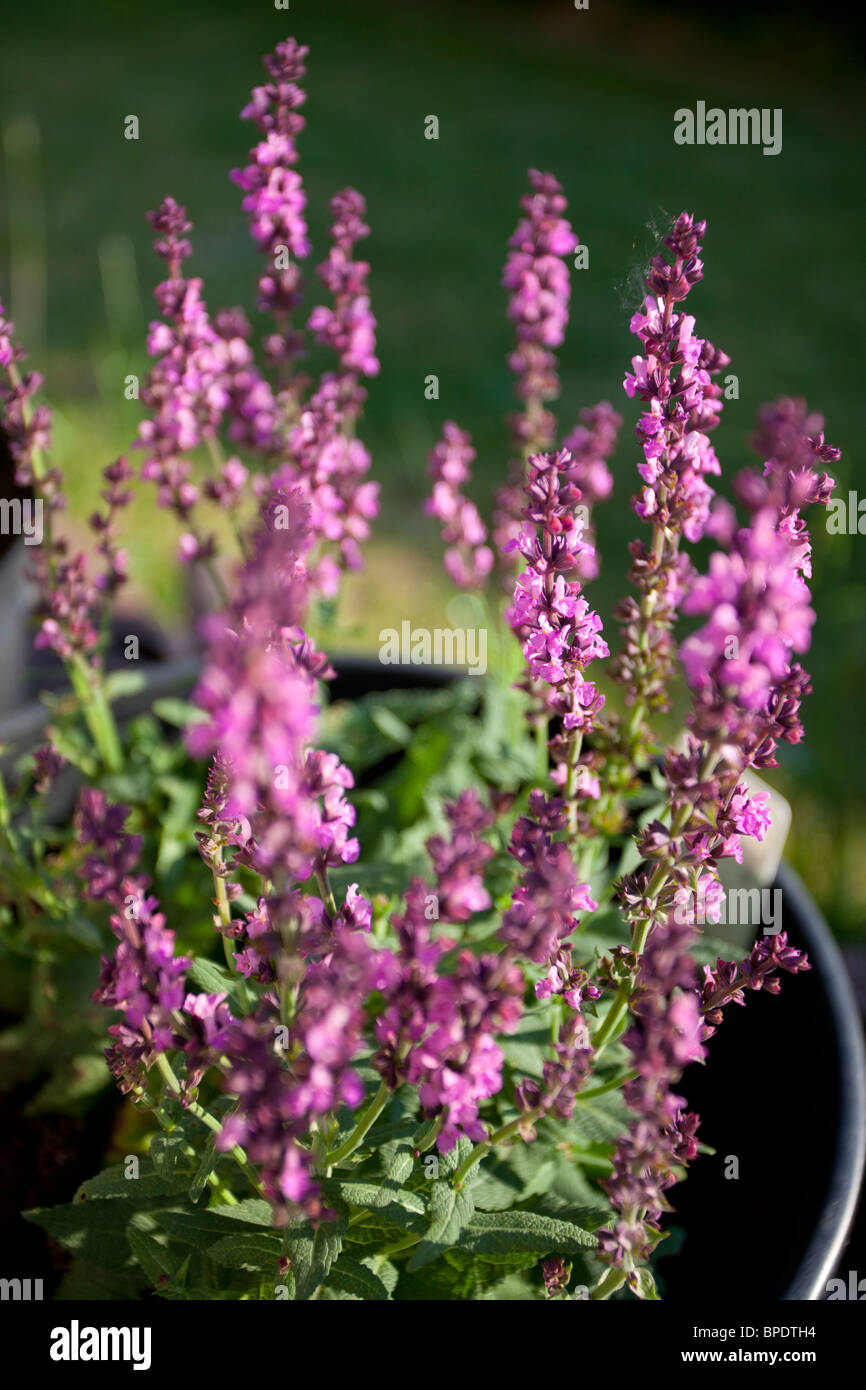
x=507, y=1232
x=450, y=1212
x=312, y=1253
x=352, y=1277
x=248, y=1251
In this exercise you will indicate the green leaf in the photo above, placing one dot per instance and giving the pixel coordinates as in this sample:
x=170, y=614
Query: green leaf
x=600, y=1120
x=248, y=1251
x=449, y=1162
x=352, y=1277
x=208, y=1160
x=93, y=1283
x=450, y=1212
x=398, y=1160
x=211, y=978
x=312, y=1253
x=646, y=1287
x=94, y=1230
x=489, y=1270
x=202, y=1228
x=72, y=744
x=164, y=1152
x=154, y=1258
x=528, y=1048
x=507, y=1232
x=390, y=725
x=118, y=683
x=113, y=1183
x=378, y=1197
x=172, y=710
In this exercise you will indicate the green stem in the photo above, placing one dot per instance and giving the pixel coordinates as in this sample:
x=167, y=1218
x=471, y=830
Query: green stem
x=349, y=1145
x=96, y=710
x=326, y=890
x=641, y=928
x=541, y=750
x=608, y=1284
x=237, y=1153
x=498, y=1137
x=225, y=916
x=613, y=1085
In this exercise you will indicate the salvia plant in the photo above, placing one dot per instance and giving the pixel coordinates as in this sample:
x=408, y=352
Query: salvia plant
x=401, y=990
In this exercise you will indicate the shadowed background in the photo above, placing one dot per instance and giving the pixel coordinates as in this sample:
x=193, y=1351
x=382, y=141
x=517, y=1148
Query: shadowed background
x=588, y=95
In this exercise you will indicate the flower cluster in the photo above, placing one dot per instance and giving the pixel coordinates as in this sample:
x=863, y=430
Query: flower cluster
x=258, y=687
x=274, y=193
x=329, y=466
x=663, y=1039
x=185, y=391
x=437, y=1030
x=682, y=403
x=559, y=633
x=549, y=894
x=284, y=1087
x=468, y=559
x=143, y=980
x=739, y=663
x=728, y=982
x=349, y=328
x=538, y=280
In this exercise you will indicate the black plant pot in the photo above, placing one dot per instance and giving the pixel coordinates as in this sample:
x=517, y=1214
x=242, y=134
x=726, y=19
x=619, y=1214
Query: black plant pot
x=783, y=1091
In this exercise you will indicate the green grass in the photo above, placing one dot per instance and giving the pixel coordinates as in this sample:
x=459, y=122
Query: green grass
x=588, y=95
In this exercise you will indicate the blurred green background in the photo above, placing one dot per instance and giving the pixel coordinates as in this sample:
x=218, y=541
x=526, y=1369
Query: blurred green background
x=588, y=95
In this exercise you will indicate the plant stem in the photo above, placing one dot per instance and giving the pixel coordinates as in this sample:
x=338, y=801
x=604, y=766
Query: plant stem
x=349, y=1145
x=87, y=684
x=498, y=1137
x=608, y=1284
x=206, y=1118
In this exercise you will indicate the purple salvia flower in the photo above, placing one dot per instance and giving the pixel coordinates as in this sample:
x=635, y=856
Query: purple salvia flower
x=186, y=389
x=663, y=1040
x=556, y=1273
x=349, y=329
x=274, y=194
x=330, y=467
x=681, y=404
x=540, y=289
x=549, y=894
x=252, y=410
x=116, y=496
x=559, y=632
x=728, y=982
x=47, y=765
x=591, y=444
x=143, y=980
x=437, y=1030
x=468, y=559
x=282, y=1090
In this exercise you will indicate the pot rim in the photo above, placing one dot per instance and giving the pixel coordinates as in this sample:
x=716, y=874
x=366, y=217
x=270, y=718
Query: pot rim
x=834, y=1224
